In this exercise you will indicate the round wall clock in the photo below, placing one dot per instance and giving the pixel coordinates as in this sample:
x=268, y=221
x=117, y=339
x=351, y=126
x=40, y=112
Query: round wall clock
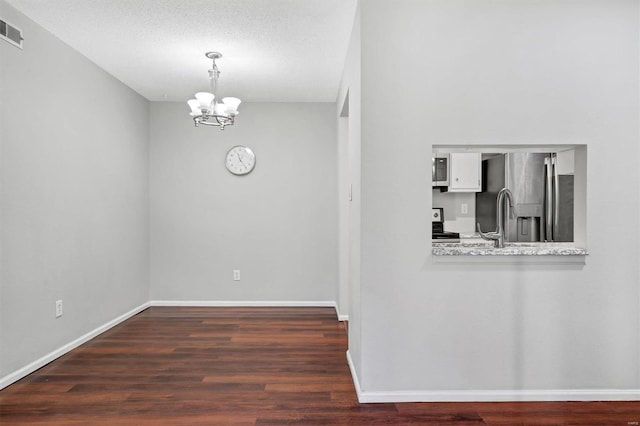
x=240, y=160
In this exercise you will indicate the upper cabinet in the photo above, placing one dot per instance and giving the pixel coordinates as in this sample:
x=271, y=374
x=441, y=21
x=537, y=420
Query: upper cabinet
x=465, y=172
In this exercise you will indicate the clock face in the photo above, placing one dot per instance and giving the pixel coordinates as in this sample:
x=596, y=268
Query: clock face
x=240, y=160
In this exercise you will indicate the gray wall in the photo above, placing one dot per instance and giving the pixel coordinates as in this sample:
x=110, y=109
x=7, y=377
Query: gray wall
x=349, y=143
x=75, y=213
x=497, y=72
x=278, y=224
x=74, y=196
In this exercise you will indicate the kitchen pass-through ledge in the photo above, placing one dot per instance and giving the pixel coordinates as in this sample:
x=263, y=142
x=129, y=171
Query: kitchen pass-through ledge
x=512, y=252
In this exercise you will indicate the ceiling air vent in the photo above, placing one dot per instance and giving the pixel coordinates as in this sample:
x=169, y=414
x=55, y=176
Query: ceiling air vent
x=11, y=34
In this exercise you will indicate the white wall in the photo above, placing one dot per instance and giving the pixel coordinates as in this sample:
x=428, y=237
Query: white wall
x=497, y=72
x=344, y=195
x=74, y=211
x=278, y=224
x=349, y=210
x=74, y=196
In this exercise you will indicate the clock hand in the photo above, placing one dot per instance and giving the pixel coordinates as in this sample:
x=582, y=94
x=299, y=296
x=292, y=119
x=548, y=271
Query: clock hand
x=240, y=158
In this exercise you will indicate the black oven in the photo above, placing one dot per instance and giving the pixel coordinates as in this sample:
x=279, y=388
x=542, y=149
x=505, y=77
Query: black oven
x=438, y=234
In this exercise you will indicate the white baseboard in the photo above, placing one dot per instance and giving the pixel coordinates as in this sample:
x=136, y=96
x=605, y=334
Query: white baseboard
x=341, y=317
x=248, y=303
x=41, y=362
x=257, y=303
x=501, y=395
x=354, y=376
x=492, y=395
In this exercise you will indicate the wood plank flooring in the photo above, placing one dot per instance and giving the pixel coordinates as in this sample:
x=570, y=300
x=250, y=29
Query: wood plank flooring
x=243, y=366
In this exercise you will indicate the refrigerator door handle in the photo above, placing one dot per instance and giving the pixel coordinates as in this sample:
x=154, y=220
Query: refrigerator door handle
x=556, y=195
x=548, y=200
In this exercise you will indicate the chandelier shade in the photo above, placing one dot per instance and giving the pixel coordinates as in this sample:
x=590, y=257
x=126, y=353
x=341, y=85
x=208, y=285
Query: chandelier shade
x=232, y=104
x=206, y=109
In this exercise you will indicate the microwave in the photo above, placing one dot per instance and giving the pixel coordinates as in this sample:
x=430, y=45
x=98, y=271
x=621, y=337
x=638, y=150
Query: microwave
x=440, y=170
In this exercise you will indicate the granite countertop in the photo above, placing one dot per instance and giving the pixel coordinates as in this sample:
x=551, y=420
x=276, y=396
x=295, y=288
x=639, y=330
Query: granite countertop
x=477, y=247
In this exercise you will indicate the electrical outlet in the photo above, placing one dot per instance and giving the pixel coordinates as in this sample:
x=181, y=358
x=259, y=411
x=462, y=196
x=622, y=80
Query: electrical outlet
x=464, y=208
x=236, y=274
x=58, y=308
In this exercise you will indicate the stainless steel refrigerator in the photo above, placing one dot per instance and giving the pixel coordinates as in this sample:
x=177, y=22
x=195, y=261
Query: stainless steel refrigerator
x=543, y=199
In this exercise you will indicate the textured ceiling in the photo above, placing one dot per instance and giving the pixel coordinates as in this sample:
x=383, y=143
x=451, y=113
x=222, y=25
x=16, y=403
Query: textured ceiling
x=273, y=50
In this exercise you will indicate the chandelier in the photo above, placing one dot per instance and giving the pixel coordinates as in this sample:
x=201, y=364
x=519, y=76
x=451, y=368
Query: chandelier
x=206, y=109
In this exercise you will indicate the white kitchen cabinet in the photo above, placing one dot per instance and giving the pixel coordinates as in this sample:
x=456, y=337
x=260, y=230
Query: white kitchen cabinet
x=465, y=172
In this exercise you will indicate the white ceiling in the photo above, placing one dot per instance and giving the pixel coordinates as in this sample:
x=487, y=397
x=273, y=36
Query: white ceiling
x=273, y=50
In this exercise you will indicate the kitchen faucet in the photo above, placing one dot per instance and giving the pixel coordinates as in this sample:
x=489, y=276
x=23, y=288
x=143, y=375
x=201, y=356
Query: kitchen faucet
x=499, y=234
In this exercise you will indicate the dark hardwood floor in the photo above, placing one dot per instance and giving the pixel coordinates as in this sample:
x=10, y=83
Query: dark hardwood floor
x=237, y=366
